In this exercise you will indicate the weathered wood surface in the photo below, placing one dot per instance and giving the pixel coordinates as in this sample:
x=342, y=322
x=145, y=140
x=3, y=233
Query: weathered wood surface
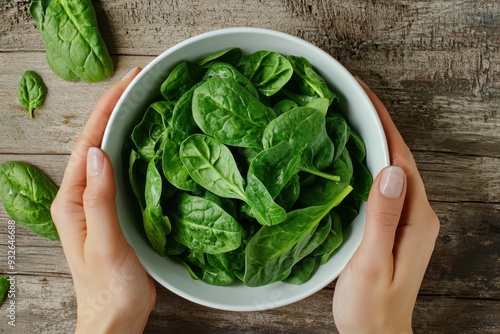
x=436, y=65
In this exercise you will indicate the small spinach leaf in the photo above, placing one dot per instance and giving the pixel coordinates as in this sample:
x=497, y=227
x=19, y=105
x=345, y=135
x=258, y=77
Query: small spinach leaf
x=229, y=55
x=31, y=91
x=182, y=78
x=268, y=70
x=203, y=226
x=310, y=82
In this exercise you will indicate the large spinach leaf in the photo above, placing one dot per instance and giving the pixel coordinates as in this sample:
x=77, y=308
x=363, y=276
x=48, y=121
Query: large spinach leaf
x=73, y=44
x=273, y=251
x=228, y=112
x=27, y=194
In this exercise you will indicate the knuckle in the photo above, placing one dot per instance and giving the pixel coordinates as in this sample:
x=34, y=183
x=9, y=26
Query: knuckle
x=386, y=218
x=94, y=196
x=433, y=223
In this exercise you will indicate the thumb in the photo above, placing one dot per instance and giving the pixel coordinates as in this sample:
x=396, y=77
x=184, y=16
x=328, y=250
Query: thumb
x=384, y=207
x=99, y=200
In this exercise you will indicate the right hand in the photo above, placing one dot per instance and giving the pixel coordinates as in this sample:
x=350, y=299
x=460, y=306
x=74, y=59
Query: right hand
x=377, y=291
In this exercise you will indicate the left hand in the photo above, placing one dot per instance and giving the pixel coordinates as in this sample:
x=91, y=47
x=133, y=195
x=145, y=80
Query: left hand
x=113, y=292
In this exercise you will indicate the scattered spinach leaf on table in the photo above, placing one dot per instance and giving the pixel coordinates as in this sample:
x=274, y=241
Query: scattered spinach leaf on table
x=4, y=287
x=27, y=194
x=73, y=44
x=32, y=91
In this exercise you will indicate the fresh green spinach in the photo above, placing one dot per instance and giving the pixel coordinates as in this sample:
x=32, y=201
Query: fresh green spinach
x=248, y=160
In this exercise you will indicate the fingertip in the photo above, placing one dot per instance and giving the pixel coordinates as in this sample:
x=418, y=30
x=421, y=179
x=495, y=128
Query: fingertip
x=131, y=74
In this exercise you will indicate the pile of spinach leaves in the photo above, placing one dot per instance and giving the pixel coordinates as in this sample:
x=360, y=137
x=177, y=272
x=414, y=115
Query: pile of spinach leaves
x=245, y=170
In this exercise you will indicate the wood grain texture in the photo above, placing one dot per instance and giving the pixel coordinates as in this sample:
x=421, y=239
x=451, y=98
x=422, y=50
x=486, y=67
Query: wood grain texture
x=436, y=66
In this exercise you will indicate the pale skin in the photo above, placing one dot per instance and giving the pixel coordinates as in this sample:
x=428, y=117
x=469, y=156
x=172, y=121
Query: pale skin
x=376, y=292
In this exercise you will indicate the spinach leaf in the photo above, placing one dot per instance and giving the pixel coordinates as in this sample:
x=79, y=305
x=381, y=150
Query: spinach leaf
x=332, y=241
x=289, y=194
x=4, y=287
x=268, y=70
x=228, y=112
x=212, y=166
x=261, y=203
x=165, y=109
x=362, y=180
x=320, y=234
x=148, y=136
x=303, y=271
x=182, y=78
x=310, y=82
x=321, y=103
x=216, y=276
x=174, y=170
x=137, y=181
x=225, y=71
x=203, y=226
x=283, y=106
x=275, y=166
x=31, y=91
x=338, y=130
x=27, y=194
x=304, y=129
x=74, y=46
x=156, y=225
x=229, y=55
x=274, y=250
x=300, y=99
x=356, y=145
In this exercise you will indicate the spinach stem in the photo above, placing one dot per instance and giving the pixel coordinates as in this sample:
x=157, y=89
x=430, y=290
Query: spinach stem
x=316, y=172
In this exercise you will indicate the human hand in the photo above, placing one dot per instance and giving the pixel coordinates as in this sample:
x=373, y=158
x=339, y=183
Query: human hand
x=113, y=292
x=377, y=291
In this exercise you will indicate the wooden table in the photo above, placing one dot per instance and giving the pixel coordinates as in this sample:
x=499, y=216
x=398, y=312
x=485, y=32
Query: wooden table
x=435, y=64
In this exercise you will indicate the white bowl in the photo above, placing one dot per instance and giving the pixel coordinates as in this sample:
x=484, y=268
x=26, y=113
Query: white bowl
x=145, y=89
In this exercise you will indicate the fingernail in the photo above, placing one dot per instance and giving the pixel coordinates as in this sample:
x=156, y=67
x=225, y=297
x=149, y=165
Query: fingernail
x=130, y=73
x=391, y=183
x=95, y=161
